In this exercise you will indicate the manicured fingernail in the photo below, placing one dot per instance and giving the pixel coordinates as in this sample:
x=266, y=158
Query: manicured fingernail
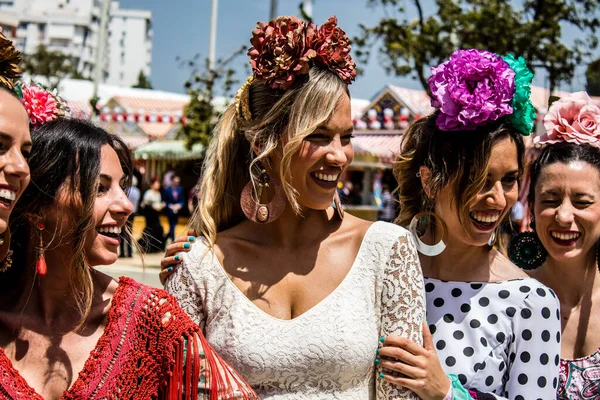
x=169, y=269
x=187, y=245
x=378, y=351
x=177, y=257
x=381, y=376
x=377, y=361
x=382, y=339
x=191, y=238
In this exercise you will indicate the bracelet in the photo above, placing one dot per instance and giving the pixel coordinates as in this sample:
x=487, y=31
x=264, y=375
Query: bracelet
x=456, y=390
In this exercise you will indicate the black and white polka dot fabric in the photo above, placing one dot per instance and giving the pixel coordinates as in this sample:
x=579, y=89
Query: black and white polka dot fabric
x=501, y=338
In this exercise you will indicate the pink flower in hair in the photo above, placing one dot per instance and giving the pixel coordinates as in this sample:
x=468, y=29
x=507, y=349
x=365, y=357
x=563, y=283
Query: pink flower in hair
x=573, y=119
x=39, y=103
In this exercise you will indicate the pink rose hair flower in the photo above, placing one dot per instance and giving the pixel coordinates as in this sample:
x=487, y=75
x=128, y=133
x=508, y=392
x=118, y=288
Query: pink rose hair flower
x=574, y=119
x=471, y=88
x=285, y=48
x=40, y=104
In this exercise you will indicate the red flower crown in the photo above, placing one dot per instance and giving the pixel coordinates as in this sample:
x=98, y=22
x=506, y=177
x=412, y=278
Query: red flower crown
x=285, y=48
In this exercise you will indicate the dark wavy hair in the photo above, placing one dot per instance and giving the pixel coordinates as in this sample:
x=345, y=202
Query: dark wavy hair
x=65, y=159
x=564, y=153
x=458, y=158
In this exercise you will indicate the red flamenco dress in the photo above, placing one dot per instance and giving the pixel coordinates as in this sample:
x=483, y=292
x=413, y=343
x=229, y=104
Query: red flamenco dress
x=150, y=349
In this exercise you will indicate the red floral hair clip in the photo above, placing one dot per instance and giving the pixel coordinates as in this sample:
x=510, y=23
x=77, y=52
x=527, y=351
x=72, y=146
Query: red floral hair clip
x=41, y=105
x=285, y=48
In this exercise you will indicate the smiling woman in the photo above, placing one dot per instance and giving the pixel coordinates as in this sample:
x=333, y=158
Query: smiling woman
x=15, y=144
x=495, y=331
x=68, y=331
x=563, y=250
x=292, y=292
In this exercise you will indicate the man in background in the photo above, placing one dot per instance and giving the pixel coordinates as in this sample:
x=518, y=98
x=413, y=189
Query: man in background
x=133, y=194
x=174, y=199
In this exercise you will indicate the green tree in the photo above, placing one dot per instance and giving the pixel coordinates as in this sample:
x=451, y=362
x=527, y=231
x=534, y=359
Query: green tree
x=52, y=65
x=200, y=112
x=143, y=82
x=592, y=75
x=534, y=31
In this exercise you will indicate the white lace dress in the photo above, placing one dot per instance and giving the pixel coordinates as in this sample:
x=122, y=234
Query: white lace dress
x=329, y=351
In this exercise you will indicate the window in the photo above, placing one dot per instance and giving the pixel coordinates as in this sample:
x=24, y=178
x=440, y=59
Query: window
x=121, y=76
x=122, y=58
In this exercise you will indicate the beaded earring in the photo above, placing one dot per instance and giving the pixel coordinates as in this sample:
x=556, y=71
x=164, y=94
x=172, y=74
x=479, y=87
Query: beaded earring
x=40, y=264
x=5, y=252
x=526, y=250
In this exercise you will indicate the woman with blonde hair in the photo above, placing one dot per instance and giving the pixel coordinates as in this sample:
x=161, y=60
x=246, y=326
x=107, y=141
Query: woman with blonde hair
x=290, y=291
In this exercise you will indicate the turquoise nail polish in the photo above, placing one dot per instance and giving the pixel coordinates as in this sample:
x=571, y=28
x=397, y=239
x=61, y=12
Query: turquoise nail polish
x=378, y=351
x=377, y=361
x=170, y=269
x=191, y=238
x=382, y=339
x=177, y=257
x=187, y=245
x=381, y=376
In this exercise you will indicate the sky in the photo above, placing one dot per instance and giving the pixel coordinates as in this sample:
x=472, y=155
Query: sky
x=181, y=29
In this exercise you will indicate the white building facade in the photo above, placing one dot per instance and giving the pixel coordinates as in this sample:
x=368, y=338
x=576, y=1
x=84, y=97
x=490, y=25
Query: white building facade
x=129, y=45
x=73, y=26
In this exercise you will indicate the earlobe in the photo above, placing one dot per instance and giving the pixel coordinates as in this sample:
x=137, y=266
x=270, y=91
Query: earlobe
x=425, y=175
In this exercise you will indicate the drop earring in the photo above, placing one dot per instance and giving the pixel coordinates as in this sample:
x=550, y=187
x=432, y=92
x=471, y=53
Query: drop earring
x=40, y=264
x=250, y=200
x=526, y=250
x=338, y=205
x=5, y=252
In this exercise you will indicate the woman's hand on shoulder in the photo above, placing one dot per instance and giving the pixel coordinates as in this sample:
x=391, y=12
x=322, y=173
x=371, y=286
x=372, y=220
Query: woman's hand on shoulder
x=418, y=368
x=172, y=259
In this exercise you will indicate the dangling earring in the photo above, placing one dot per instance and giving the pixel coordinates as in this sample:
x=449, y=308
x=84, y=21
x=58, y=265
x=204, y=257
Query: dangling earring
x=526, y=250
x=338, y=205
x=425, y=249
x=40, y=264
x=5, y=252
x=254, y=210
x=492, y=240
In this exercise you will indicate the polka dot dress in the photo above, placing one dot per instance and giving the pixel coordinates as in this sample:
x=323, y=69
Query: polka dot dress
x=498, y=337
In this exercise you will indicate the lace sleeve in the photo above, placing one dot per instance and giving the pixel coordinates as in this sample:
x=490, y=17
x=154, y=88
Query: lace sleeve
x=183, y=287
x=402, y=305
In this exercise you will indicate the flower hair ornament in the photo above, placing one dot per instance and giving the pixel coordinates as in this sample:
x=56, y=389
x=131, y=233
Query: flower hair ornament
x=476, y=87
x=10, y=57
x=41, y=105
x=285, y=48
x=574, y=119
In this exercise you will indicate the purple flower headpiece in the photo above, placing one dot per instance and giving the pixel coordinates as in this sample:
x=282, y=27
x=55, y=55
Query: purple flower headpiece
x=475, y=87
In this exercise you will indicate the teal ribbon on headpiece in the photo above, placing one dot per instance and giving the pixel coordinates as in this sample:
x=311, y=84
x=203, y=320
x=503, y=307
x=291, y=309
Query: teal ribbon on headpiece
x=523, y=116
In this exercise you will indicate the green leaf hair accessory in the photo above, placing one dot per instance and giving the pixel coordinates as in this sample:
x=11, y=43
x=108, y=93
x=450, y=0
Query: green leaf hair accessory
x=524, y=114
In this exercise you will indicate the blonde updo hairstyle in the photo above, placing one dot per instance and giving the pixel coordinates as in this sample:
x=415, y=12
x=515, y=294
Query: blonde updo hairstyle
x=280, y=121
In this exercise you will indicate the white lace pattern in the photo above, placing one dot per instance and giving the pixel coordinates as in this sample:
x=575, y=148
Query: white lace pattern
x=328, y=352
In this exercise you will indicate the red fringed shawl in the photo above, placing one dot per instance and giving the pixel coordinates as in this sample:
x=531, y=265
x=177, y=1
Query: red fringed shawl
x=150, y=349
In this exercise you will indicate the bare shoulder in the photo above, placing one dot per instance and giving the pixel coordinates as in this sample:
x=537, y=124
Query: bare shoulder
x=503, y=269
x=354, y=225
